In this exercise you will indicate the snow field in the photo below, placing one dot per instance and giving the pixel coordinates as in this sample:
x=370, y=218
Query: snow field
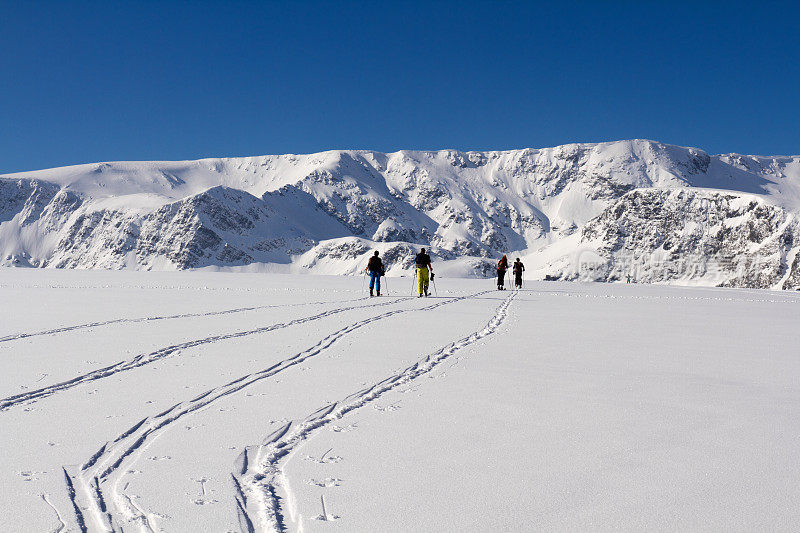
x=587, y=417
x=562, y=406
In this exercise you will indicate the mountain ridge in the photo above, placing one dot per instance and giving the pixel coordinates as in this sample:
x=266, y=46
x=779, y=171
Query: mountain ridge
x=310, y=211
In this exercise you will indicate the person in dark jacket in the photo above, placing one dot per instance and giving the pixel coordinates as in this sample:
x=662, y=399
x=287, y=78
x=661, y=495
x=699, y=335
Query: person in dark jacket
x=424, y=272
x=375, y=270
x=502, y=266
x=518, y=268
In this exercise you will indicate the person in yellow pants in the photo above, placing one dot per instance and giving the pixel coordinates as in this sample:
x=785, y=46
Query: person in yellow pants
x=424, y=269
x=423, y=278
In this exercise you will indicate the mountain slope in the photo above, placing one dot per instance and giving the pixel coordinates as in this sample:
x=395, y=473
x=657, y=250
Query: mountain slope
x=327, y=211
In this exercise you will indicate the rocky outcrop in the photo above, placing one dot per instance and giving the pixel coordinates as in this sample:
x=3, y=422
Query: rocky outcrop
x=655, y=212
x=662, y=236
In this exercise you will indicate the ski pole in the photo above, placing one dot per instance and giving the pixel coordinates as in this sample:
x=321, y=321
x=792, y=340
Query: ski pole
x=433, y=280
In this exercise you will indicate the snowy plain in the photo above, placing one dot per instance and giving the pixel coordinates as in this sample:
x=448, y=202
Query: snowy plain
x=216, y=401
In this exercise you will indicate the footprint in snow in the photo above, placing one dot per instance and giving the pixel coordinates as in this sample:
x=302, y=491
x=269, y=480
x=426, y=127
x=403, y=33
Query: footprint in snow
x=345, y=429
x=328, y=482
x=329, y=518
x=30, y=475
x=332, y=459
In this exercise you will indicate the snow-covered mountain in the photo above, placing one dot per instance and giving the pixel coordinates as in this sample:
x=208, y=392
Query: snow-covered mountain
x=608, y=211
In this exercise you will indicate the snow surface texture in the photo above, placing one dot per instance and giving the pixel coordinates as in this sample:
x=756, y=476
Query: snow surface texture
x=612, y=211
x=202, y=401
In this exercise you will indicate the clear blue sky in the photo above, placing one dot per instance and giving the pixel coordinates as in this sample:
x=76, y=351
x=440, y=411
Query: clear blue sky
x=98, y=81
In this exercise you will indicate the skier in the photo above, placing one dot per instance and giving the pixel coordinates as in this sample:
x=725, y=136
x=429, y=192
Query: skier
x=518, y=268
x=375, y=270
x=502, y=266
x=423, y=264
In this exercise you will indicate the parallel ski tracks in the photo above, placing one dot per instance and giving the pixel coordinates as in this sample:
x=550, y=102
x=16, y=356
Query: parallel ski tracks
x=147, y=358
x=88, y=325
x=258, y=477
x=86, y=482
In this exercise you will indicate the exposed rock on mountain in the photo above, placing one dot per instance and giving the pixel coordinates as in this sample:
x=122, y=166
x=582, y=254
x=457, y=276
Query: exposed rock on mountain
x=667, y=235
x=654, y=212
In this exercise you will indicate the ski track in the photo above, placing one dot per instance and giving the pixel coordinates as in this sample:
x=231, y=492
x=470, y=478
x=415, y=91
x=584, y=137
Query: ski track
x=85, y=483
x=144, y=359
x=65, y=329
x=258, y=476
x=79, y=518
x=61, y=524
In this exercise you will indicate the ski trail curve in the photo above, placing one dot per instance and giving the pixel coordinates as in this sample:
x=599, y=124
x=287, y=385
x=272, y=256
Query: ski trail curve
x=65, y=329
x=258, y=477
x=144, y=359
x=61, y=524
x=86, y=483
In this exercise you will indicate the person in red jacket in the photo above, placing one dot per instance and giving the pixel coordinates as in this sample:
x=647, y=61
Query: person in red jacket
x=502, y=266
